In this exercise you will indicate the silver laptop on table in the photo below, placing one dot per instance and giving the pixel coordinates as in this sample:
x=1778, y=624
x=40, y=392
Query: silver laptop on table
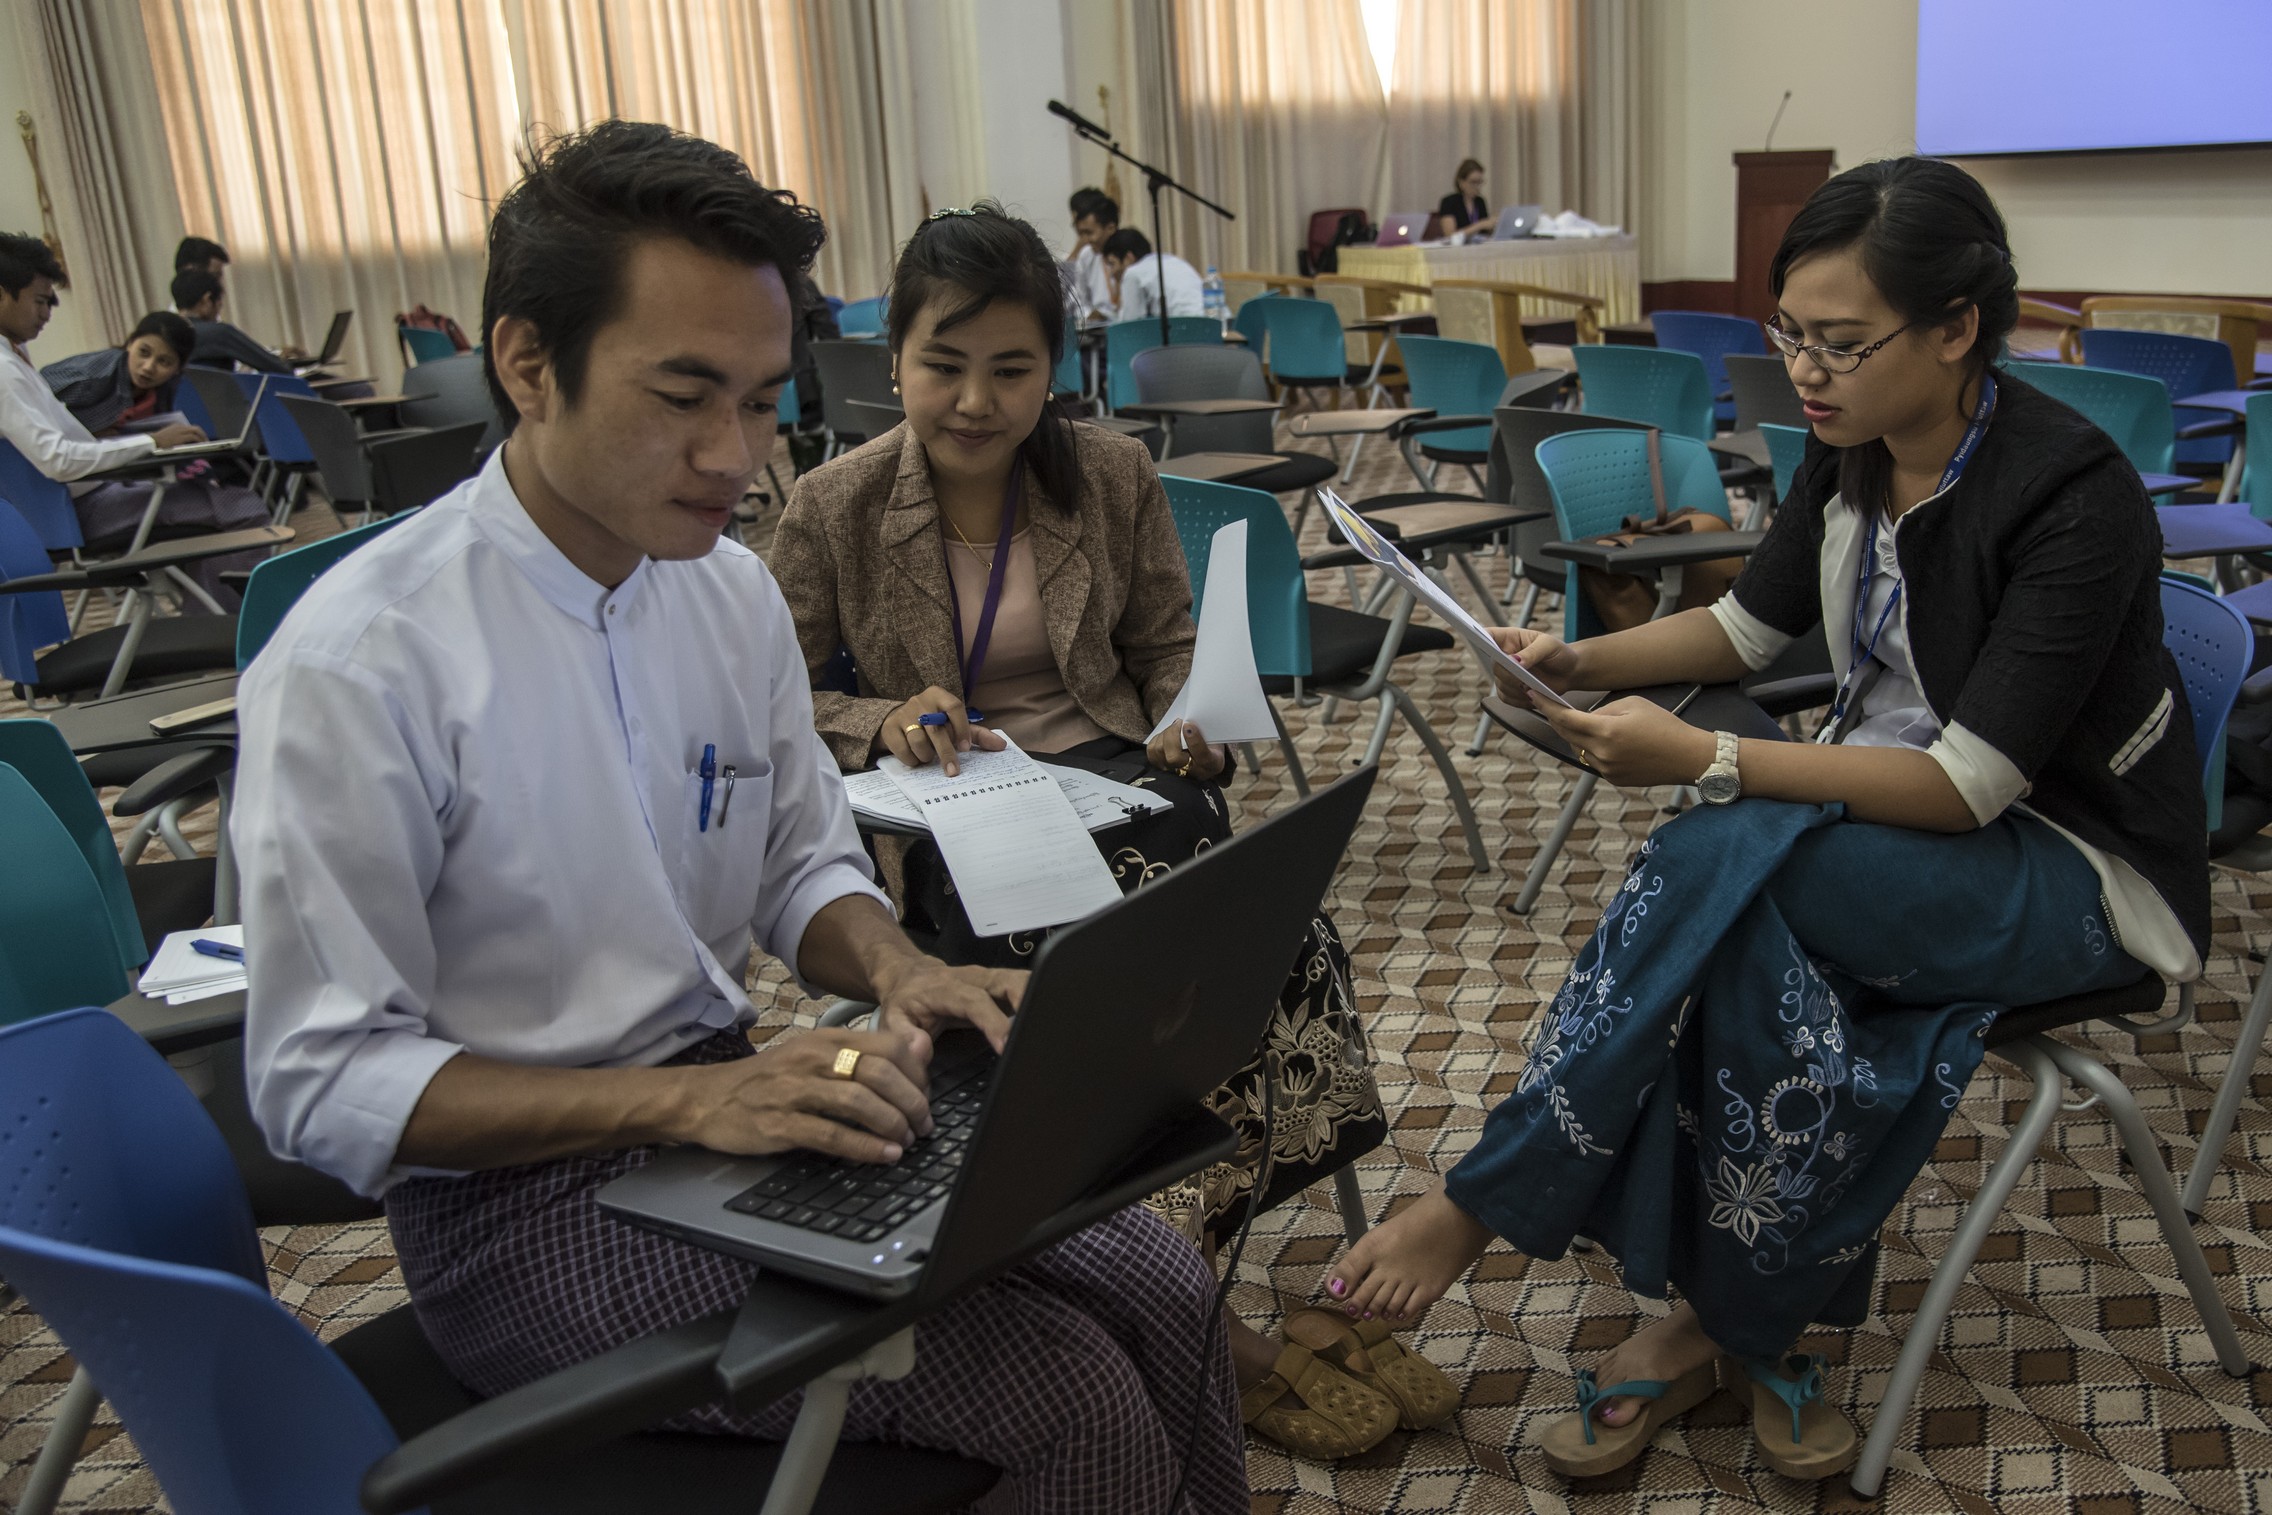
x=1517, y=221
x=220, y=445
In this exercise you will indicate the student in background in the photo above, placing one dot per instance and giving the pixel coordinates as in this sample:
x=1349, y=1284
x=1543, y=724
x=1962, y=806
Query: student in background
x=202, y=254
x=1463, y=209
x=1762, y=1043
x=1137, y=275
x=198, y=296
x=1096, y=216
x=1077, y=650
x=500, y=979
x=113, y=387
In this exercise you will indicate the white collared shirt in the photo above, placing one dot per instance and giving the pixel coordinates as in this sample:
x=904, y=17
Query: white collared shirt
x=467, y=819
x=1090, y=282
x=1140, y=288
x=46, y=433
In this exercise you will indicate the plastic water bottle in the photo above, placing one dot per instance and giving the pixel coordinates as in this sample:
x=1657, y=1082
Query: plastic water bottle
x=1212, y=300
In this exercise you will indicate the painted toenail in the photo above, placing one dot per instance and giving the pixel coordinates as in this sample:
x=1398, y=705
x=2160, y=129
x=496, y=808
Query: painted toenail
x=1336, y=1288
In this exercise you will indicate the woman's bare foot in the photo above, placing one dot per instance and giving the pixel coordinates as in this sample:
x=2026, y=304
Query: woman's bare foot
x=1663, y=1349
x=1404, y=1265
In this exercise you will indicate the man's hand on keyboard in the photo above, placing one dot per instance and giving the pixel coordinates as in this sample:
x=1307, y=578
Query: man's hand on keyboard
x=788, y=1095
x=926, y=995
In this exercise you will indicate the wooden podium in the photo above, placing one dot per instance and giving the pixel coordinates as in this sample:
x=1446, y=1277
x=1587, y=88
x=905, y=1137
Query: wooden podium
x=1770, y=188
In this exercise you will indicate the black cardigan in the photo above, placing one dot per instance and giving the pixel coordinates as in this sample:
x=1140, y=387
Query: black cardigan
x=2035, y=622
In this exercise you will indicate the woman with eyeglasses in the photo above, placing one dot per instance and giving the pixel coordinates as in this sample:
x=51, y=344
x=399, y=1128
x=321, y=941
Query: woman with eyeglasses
x=1787, y=993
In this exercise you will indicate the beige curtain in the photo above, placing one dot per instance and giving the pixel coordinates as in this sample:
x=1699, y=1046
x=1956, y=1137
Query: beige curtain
x=758, y=77
x=94, y=95
x=1272, y=108
x=1544, y=92
x=346, y=153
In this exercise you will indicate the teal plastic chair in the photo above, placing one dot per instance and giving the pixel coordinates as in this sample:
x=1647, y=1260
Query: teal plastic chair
x=2131, y=408
x=36, y=752
x=1669, y=390
x=1252, y=320
x=58, y=941
x=1124, y=339
x=1454, y=379
x=861, y=318
x=1598, y=478
x=1067, y=381
x=425, y=345
x=1786, y=449
x=786, y=410
x=1308, y=349
x=1277, y=601
x=277, y=584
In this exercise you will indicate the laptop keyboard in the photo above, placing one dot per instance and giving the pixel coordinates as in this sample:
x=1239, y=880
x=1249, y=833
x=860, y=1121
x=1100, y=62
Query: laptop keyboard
x=864, y=1201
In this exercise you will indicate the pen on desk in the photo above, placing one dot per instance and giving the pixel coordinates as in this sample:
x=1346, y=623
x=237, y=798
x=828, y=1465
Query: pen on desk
x=726, y=800
x=709, y=772
x=235, y=954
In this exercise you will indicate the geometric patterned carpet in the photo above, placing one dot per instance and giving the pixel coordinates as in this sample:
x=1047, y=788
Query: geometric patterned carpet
x=2073, y=1375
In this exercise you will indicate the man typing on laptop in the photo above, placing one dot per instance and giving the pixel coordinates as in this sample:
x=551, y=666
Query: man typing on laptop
x=520, y=783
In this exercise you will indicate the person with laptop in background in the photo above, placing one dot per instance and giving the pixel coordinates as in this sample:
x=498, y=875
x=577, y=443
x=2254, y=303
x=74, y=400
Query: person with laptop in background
x=1463, y=209
x=1096, y=216
x=578, y=730
x=198, y=296
x=57, y=443
x=1138, y=275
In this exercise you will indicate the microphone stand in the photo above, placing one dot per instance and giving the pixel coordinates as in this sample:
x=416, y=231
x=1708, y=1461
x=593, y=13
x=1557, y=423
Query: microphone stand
x=1155, y=180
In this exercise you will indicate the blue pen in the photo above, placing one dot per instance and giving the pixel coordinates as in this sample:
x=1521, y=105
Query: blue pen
x=940, y=717
x=709, y=777
x=218, y=949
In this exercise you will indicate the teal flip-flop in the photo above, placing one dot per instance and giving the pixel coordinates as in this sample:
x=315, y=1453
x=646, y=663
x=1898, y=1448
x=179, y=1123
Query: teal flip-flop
x=1800, y=1433
x=1579, y=1446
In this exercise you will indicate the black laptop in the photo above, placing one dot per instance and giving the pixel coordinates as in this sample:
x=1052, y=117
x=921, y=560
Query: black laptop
x=333, y=341
x=1132, y=1017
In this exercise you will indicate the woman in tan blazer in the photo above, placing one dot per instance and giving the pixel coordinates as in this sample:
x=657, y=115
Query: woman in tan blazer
x=890, y=554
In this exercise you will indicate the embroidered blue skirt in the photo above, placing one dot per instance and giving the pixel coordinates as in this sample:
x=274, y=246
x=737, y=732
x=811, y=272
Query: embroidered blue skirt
x=1761, y=1044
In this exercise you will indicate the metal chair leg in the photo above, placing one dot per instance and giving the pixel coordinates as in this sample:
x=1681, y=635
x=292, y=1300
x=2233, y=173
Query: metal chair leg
x=1458, y=790
x=73, y=1415
x=1564, y=823
x=2152, y=1172
x=812, y=1440
x=1352, y=1203
x=1293, y=758
x=1924, y=1334
x=2210, y=1155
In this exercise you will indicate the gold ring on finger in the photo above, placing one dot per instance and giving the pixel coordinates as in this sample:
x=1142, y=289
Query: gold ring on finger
x=912, y=727
x=847, y=1064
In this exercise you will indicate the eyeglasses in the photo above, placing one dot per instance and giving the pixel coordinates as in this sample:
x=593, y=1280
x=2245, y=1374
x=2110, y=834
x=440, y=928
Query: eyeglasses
x=1829, y=359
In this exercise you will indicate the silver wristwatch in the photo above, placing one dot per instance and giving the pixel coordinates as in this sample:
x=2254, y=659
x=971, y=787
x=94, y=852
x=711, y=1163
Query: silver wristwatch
x=1720, y=783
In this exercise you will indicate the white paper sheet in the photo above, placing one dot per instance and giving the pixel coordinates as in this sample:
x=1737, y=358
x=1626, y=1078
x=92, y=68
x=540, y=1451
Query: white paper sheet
x=1223, y=695
x=1380, y=550
x=1101, y=803
x=177, y=967
x=1018, y=853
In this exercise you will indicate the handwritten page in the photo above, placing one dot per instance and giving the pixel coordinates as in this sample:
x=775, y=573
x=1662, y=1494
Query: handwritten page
x=1016, y=849
x=1381, y=551
x=1223, y=695
x=1101, y=803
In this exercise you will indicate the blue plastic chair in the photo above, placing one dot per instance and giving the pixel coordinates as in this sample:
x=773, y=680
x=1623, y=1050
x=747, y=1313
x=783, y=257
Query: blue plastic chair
x=2131, y=408
x=1786, y=450
x=43, y=502
x=277, y=583
x=2256, y=476
x=2188, y=365
x=1711, y=337
x=1454, y=379
x=1308, y=349
x=1598, y=478
x=2212, y=644
x=58, y=944
x=28, y=622
x=425, y=344
x=1124, y=339
x=861, y=318
x=1668, y=390
x=280, y=436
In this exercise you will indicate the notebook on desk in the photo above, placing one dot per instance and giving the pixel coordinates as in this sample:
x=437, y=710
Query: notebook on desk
x=1131, y=1018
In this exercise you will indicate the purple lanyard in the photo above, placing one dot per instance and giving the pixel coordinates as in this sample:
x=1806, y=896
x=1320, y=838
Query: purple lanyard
x=975, y=658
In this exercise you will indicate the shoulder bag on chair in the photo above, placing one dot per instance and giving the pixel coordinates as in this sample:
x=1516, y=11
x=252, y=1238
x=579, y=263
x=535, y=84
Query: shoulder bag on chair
x=1625, y=600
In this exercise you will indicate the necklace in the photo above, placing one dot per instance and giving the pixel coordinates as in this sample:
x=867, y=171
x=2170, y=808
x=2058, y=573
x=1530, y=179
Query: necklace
x=968, y=544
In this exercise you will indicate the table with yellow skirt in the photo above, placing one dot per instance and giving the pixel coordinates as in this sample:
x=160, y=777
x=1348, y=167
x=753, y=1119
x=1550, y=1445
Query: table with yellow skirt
x=1486, y=291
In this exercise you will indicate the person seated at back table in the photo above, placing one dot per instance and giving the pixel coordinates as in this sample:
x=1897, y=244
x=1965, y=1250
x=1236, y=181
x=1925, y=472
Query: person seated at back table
x=1096, y=216
x=1783, y=1002
x=1463, y=209
x=514, y=964
x=199, y=296
x=991, y=546
x=1137, y=276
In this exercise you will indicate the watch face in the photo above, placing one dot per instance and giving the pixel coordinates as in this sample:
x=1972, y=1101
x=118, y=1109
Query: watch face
x=1719, y=788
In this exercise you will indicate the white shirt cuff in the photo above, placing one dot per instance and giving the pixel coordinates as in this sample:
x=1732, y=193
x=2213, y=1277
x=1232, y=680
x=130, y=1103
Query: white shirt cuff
x=786, y=937
x=354, y=1127
x=1985, y=777
x=1756, y=642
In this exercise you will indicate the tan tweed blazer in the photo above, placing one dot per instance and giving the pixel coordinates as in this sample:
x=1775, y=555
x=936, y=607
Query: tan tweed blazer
x=859, y=558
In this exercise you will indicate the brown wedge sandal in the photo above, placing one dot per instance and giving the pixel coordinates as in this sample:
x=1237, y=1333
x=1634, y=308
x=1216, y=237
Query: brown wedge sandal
x=1800, y=1433
x=1314, y=1409
x=1368, y=1351
x=1579, y=1446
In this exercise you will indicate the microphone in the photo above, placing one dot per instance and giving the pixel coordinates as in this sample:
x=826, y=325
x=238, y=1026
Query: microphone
x=1080, y=122
x=1766, y=147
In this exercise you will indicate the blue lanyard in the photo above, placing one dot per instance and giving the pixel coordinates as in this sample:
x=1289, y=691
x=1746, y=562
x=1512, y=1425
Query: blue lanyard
x=974, y=658
x=1861, y=651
